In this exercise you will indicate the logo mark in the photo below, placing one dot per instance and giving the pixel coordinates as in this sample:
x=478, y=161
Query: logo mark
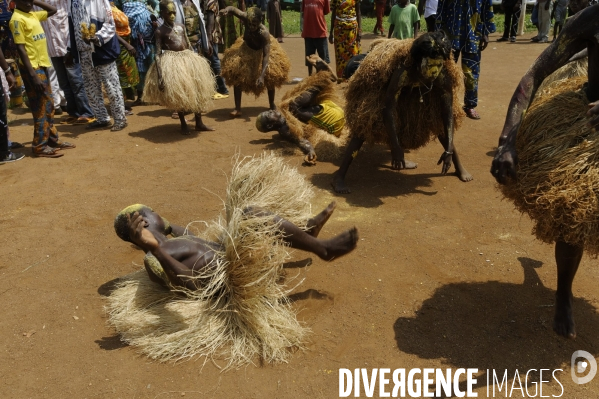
x=581, y=366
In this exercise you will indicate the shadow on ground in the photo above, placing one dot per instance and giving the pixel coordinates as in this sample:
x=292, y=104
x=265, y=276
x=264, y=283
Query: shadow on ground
x=495, y=325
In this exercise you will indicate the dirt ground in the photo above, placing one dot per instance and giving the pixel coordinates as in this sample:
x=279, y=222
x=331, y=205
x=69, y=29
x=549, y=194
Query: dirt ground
x=446, y=274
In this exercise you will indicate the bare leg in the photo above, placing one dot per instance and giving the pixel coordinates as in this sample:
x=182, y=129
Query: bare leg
x=309, y=70
x=460, y=171
x=315, y=224
x=333, y=248
x=184, y=128
x=568, y=259
x=237, y=96
x=351, y=152
x=200, y=127
x=271, y=99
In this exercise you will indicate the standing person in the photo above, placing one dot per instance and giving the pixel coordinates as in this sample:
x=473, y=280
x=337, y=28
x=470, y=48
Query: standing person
x=215, y=38
x=6, y=155
x=98, y=52
x=33, y=52
x=380, y=13
x=179, y=79
x=125, y=63
x=546, y=159
x=314, y=30
x=275, y=20
x=468, y=24
x=544, y=21
x=429, y=9
x=142, y=36
x=256, y=62
x=404, y=20
x=68, y=73
x=560, y=11
x=231, y=27
x=512, y=16
x=346, y=31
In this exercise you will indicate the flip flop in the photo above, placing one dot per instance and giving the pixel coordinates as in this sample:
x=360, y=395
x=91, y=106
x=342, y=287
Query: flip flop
x=47, y=152
x=84, y=120
x=69, y=120
x=219, y=96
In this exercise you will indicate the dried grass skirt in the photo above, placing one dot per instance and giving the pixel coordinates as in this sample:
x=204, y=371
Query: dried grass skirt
x=558, y=167
x=241, y=66
x=188, y=82
x=242, y=313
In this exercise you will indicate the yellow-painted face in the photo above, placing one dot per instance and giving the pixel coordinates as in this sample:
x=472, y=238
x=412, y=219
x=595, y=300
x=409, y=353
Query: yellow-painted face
x=431, y=68
x=170, y=14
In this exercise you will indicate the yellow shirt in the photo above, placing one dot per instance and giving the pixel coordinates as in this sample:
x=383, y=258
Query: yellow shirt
x=331, y=118
x=26, y=29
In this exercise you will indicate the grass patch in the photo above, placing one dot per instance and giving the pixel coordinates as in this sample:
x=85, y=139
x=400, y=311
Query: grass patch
x=291, y=23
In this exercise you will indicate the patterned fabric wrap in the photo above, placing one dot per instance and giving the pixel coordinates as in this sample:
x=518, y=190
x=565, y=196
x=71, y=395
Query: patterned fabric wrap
x=345, y=33
x=142, y=33
x=465, y=21
x=42, y=109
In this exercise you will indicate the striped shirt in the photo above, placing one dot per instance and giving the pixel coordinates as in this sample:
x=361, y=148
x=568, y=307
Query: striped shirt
x=57, y=29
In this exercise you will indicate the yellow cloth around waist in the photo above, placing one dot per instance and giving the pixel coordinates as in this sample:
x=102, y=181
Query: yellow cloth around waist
x=331, y=118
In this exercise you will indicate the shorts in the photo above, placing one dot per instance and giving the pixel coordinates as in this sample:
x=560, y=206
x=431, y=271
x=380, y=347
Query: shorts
x=318, y=45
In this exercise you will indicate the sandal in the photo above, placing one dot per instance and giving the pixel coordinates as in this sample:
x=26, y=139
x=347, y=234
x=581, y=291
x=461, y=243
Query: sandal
x=69, y=120
x=47, y=152
x=471, y=113
x=118, y=126
x=97, y=125
x=84, y=120
x=14, y=145
x=62, y=145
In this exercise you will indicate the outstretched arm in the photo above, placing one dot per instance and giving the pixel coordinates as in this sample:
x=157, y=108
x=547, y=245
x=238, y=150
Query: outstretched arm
x=235, y=11
x=573, y=39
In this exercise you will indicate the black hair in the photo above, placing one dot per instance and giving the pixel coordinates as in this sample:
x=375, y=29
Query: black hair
x=431, y=45
x=163, y=4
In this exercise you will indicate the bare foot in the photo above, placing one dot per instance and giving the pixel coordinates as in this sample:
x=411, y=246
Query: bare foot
x=563, y=323
x=203, y=128
x=463, y=175
x=410, y=165
x=343, y=244
x=273, y=107
x=315, y=224
x=185, y=130
x=235, y=114
x=339, y=185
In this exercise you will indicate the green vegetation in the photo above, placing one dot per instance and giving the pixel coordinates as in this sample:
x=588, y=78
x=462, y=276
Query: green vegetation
x=291, y=22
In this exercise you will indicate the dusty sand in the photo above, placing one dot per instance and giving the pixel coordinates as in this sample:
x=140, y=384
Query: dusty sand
x=446, y=275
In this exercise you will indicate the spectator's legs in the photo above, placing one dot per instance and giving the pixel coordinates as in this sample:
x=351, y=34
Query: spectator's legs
x=544, y=22
x=221, y=86
x=514, y=25
x=57, y=94
x=42, y=109
x=93, y=88
x=507, y=22
x=110, y=77
x=471, y=69
x=71, y=83
x=430, y=23
x=4, y=149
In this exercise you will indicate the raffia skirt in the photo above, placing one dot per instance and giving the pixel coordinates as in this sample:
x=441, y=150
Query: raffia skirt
x=241, y=66
x=188, y=82
x=242, y=313
x=558, y=167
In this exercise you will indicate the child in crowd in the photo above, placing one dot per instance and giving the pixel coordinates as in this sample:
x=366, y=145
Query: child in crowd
x=33, y=52
x=404, y=20
x=560, y=10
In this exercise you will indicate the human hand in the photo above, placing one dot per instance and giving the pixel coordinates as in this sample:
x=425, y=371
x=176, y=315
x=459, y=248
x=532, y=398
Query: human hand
x=131, y=50
x=593, y=114
x=484, y=42
x=397, y=159
x=504, y=163
x=138, y=233
x=209, y=50
x=223, y=12
x=260, y=81
x=160, y=84
x=10, y=79
x=446, y=158
x=37, y=84
x=310, y=158
x=331, y=39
